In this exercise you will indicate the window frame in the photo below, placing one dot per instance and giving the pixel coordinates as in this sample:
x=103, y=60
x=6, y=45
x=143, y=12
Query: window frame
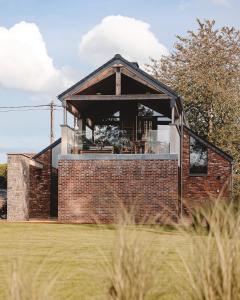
x=189, y=157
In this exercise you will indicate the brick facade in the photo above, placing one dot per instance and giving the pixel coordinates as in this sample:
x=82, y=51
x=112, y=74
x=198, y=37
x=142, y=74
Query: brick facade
x=95, y=190
x=40, y=188
x=215, y=185
x=29, y=187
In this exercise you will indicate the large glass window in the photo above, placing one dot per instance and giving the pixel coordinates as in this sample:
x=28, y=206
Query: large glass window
x=198, y=157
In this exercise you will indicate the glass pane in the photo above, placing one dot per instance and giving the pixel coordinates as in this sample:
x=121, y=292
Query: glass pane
x=198, y=157
x=144, y=110
x=158, y=141
x=111, y=139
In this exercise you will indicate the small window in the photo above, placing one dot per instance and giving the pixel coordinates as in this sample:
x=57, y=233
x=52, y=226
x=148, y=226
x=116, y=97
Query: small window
x=198, y=157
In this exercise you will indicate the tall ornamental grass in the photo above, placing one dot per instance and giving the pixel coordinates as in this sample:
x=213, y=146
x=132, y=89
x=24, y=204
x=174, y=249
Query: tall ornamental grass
x=135, y=264
x=212, y=268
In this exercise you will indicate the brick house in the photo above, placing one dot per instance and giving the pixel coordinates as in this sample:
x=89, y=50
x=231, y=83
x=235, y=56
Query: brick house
x=129, y=144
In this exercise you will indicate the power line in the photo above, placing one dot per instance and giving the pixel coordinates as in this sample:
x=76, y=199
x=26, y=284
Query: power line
x=30, y=106
x=20, y=110
x=23, y=106
x=41, y=107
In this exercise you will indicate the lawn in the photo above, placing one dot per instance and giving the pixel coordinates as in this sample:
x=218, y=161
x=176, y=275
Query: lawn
x=70, y=260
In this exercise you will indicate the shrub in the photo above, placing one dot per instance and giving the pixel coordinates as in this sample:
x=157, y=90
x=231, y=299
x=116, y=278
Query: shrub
x=3, y=170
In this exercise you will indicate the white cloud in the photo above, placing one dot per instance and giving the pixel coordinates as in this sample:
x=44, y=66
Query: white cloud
x=118, y=34
x=184, y=5
x=25, y=63
x=221, y=2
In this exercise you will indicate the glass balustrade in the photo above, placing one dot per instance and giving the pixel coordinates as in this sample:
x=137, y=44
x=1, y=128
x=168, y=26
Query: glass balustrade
x=116, y=141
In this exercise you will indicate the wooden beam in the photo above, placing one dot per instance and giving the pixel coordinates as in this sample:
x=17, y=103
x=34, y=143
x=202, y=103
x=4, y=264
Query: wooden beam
x=148, y=78
x=118, y=81
x=65, y=115
x=102, y=75
x=173, y=115
x=89, y=122
x=133, y=97
x=73, y=110
x=134, y=76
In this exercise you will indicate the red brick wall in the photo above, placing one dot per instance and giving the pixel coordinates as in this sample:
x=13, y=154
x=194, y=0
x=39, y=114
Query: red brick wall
x=216, y=184
x=40, y=188
x=94, y=190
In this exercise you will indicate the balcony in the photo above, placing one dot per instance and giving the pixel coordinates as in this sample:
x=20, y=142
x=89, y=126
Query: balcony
x=111, y=140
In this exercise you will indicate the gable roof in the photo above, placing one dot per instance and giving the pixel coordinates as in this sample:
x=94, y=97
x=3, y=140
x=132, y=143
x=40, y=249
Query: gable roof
x=208, y=144
x=118, y=59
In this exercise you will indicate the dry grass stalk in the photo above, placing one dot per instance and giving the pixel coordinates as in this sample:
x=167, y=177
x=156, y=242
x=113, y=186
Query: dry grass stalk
x=22, y=280
x=132, y=270
x=213, y=267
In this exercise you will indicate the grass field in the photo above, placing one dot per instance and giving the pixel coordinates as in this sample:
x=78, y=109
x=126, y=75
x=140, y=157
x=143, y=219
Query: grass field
x=69, y=261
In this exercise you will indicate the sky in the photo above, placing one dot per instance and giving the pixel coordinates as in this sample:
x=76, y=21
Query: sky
x=46, y=46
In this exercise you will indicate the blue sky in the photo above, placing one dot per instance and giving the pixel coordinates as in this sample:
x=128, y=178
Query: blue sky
x=47, y=45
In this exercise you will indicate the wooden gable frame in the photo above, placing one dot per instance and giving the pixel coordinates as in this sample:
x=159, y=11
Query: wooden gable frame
x=118, y=65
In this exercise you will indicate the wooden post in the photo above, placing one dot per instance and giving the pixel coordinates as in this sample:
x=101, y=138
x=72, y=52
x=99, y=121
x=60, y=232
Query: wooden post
x=64, y=142
x=93, y=133
x=52, y=135
x=173, y=112
x=64, y=113
x=118, y=81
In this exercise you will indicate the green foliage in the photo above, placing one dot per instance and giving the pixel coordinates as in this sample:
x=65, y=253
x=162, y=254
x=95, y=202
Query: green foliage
x=3, y=170
x=204, y=69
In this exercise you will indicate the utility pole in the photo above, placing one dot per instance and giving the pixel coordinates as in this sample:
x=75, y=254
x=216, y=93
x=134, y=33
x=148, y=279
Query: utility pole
x=52, y=135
